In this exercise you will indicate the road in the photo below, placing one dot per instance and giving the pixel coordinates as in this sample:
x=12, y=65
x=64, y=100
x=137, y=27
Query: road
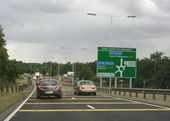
x=88, y=108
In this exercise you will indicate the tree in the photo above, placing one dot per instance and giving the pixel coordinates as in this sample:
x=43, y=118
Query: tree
x=87, y=73
x=3, y=54
x=156, y=57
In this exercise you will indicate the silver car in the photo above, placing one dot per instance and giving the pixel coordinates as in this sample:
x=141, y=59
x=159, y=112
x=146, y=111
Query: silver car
x=85, y=87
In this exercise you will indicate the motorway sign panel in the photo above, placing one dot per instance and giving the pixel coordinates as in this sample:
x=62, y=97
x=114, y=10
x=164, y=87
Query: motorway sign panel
x=116, y=62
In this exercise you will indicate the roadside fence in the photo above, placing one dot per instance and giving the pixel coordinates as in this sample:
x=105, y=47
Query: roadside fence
x=10, y=89
x=154, y=94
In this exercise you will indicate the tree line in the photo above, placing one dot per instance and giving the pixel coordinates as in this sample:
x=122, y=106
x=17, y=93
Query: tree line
x=152, y=72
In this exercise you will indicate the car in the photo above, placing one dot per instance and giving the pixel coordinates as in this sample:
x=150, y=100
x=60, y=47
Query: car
x=85, y=87
x=49, y=88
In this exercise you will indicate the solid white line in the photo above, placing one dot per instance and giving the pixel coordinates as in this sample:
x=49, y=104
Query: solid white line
x=90, y=106
x=158, y=106
x=18, y=108
x=73, y=98
x=153, y=105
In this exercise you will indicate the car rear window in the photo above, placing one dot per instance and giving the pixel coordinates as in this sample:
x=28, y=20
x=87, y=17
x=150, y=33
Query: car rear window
x=86, y=83
x=48, y=82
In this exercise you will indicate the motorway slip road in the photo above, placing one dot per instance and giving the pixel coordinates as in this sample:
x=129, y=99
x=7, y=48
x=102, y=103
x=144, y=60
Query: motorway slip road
x=87, y=108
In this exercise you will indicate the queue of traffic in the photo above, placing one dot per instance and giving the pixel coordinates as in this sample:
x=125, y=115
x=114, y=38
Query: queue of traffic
x=53, y=87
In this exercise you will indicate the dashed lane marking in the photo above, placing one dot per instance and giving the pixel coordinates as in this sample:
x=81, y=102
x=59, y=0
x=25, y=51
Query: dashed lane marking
x=96, y=110
x=91, y=107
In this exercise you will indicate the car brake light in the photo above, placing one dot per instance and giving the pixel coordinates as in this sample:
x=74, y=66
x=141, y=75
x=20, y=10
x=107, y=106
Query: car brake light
x=39, y=87
x=82, y=87
x=57, y=86
x=94, y=87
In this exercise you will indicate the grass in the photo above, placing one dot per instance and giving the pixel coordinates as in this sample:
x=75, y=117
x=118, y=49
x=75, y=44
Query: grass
x=22, y=80
x=12, y=98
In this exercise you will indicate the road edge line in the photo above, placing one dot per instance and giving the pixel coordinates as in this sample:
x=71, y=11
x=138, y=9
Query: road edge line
x=144, y=103
x=19, y=107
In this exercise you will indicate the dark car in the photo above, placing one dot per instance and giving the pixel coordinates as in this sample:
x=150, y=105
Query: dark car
x=49, y=88
x=84, y=87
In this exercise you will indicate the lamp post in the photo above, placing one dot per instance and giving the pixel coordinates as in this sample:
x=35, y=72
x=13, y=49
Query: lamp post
x=111, y=19
x=51, y=68
x=111, y=38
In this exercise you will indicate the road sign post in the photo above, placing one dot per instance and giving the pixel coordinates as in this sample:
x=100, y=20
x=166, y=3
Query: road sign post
x=130, y=84
x=101, y=82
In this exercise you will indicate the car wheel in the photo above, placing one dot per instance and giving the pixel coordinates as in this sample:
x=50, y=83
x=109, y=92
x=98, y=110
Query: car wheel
x=59, y=96
x=94, y=93
x=38, y=96
x=78, y=93
x=75, y=92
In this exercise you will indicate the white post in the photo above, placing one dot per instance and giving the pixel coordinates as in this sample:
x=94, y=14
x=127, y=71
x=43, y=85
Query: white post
x=101, y=82
x=115, y=82
x=130, y=84
x=110, y=82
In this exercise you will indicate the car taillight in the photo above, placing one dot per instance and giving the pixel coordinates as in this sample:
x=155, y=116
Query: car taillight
x=57, y=86
x=39, y=87
x=93, y=87
x=82, y=87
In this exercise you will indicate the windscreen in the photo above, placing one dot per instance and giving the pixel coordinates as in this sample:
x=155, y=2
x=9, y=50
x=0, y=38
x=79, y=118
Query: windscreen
x=86, y=83
x=48, y=83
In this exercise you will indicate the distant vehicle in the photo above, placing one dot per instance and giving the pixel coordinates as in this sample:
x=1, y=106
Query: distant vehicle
x=84, y=87
x=49, y=88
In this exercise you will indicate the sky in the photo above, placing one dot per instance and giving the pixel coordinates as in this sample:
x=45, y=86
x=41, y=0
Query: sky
x=61, y=31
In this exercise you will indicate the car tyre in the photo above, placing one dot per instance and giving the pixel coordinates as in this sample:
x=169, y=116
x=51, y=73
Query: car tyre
x=78, y=93
x=94, y=93
x=59, y=96
x=38, y=96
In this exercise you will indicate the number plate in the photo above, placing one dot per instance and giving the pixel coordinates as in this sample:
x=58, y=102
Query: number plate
x=49, y=92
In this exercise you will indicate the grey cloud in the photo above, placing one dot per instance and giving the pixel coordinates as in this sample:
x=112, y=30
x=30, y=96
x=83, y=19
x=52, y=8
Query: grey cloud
x=61, y=28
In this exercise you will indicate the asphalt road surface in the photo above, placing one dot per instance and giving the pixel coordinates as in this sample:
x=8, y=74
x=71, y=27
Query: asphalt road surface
x=88, y=108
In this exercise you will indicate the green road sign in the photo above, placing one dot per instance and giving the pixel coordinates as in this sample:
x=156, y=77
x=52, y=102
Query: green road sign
x=116, y=62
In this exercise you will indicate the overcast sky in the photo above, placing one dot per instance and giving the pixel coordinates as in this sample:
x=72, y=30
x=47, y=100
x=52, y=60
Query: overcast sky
x=61, y=30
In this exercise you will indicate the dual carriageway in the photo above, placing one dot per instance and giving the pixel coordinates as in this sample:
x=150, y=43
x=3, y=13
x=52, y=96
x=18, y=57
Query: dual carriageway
x=88, y=108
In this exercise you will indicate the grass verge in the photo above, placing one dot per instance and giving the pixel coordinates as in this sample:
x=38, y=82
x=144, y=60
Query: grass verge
x=11, y=99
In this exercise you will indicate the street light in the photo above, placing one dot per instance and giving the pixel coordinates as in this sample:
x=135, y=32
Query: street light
x=111, y=17
x=51, y=68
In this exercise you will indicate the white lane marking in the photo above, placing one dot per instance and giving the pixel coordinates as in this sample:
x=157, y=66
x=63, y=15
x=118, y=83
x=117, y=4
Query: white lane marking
x=158, y=106
x=90, y=106
x=153, y=105
x=73, y=98
x=18, y=108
